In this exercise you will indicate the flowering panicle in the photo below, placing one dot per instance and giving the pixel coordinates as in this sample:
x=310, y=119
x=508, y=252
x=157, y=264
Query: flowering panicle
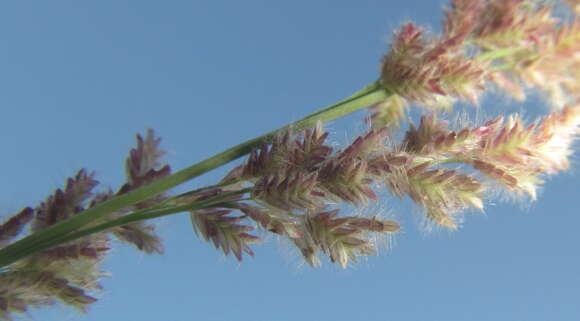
x=343, y=239
x=512, y=43
x=64, y=272
x=525, y=44
x=293, y=183
x=289, y=185
x=82, y=271
x=310, y=174
x=67, y=272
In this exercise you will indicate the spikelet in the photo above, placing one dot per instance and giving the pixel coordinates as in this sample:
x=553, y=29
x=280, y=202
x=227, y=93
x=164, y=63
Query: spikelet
x=278, y=222
x=65, y=203
x=291, y=191
x=342, y=239
x=442, y=193
x=432, y=72
x=224, y=231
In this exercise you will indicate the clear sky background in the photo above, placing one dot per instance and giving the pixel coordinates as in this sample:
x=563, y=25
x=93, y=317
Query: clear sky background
x=78, y=79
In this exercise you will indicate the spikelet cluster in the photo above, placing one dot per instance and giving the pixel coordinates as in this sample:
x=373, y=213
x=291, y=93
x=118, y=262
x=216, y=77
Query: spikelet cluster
x=504, y=149
x=342, y=239
x=432, y=72
x=542, y=49
x=224, y=230
x=514, y=44
x=70, y=272
x=292, y=190
x=293, y=180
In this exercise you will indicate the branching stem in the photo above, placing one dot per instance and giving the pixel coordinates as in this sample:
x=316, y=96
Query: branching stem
x=55, y=234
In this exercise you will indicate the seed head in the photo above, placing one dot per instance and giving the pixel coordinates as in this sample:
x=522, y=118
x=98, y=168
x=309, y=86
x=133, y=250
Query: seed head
x=343, y=239
x=431, y=72
x=224, y=231
x=290, y=191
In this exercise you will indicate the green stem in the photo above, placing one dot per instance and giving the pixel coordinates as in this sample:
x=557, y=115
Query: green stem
x=31, y=244
x=141, y=215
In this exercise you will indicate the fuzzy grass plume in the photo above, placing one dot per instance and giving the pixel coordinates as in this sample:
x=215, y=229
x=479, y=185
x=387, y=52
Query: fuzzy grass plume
x=293, y=182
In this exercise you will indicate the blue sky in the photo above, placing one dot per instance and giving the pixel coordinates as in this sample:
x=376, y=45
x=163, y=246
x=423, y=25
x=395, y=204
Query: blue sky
x=79, y=79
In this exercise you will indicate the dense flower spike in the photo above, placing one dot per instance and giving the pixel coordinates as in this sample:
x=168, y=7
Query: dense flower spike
x=432, y=72
x=525, y=43
x=343, y=239
x=144, y=160
x=66, y=272
x=224, y=231
x=512, y=43
x=507, y=151
x=516, y=155
x=290, y=191
x=441, y=192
